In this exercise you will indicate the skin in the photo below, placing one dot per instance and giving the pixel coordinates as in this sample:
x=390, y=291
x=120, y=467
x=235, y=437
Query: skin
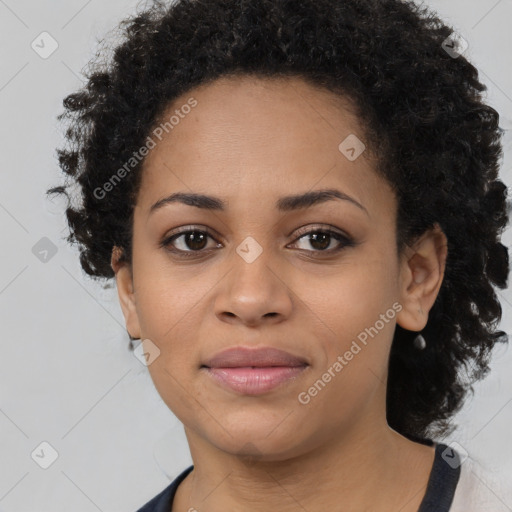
x=250, y=142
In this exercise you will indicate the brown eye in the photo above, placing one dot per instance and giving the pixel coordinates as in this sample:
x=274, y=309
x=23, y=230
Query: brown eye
x=186, y=243
x=321, y=239
x=194, y=242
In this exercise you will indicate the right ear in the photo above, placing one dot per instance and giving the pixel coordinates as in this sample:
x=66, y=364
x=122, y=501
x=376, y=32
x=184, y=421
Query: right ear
x=125, y=291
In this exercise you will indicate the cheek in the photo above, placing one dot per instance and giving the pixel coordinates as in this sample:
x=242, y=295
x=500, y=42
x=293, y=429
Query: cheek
x=355, y=332
x=167, y=297
x=356, y=312
x=353, y=297
x=168, y=317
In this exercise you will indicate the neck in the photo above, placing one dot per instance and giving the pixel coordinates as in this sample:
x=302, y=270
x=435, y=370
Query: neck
x=365, y=468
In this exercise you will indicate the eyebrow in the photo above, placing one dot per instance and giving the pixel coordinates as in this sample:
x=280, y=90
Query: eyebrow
x=283, y=204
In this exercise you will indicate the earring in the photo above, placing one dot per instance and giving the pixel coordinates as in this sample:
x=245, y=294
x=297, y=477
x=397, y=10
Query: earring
x=419, y=342
x=131, y=340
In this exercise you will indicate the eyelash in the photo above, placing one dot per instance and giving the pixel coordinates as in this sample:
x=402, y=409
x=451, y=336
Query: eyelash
x=345, y=241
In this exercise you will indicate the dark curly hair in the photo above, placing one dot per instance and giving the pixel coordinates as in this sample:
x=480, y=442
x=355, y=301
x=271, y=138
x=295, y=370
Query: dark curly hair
x=438, y=145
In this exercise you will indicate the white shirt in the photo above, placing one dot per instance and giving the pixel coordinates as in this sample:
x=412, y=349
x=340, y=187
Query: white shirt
x=479, y=490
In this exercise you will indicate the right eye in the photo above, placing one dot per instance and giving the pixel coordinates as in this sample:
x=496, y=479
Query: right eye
x=194, y=239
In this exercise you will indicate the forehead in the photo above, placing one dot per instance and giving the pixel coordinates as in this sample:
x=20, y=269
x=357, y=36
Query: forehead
x=257, y=138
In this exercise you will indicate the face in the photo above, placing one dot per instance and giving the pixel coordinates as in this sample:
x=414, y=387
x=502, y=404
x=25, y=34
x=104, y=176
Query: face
x=316, y=279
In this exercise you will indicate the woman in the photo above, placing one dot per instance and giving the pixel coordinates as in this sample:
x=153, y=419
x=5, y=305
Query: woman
x=300, y=204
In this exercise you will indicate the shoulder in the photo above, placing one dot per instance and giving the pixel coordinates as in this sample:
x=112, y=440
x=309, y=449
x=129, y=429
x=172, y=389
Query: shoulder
x=162, y=502
x=480, y=490
x=159, y=503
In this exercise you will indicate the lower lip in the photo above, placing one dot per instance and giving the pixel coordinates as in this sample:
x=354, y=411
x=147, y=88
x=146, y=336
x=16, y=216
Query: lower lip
x=254, y=381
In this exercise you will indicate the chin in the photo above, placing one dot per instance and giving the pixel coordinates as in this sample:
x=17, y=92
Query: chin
x=257, y=439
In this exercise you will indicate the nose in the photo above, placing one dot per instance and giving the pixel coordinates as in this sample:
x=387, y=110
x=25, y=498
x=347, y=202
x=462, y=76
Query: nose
x=254, y=292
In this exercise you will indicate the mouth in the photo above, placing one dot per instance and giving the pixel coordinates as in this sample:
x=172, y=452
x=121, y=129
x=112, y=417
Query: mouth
x=254, y=380
x=253, y=371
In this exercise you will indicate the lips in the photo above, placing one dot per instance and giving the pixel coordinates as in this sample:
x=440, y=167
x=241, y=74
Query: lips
x=237, y=357
x=253, y=371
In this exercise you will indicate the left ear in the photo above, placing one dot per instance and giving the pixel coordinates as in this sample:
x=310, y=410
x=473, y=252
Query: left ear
x=422, y=269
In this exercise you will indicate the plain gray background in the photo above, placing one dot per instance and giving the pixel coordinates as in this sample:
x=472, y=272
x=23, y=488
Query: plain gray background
x=67, y=377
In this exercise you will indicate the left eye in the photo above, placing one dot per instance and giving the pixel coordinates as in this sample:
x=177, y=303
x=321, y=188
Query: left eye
x=322, y=239
x=194, y=241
